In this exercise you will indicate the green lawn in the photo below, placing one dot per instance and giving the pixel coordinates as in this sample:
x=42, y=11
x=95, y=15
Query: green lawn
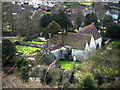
x=36, y=42
x=85, y=3
x=26, y=50
x=115, y=42
x=66, y=64
x=48, y=12
x=14, y=39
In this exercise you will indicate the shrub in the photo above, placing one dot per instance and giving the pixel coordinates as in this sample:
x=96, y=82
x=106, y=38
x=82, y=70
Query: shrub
x=8, y=53
x=86, y=81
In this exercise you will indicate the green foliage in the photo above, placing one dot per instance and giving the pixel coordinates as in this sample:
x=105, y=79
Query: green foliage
x=53, y=76
x=105, y=64
x=61, y=18
x=8, y=53
x=23, y=67
x=113, y=31
x=25, y=49
x=45, y=20
x=107, y=21
x=113, y=84
x=86, y=81
x=91, y=17
x=52, y=28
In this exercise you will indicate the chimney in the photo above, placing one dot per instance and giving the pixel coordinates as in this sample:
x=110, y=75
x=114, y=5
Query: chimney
x=93, y=23
x=60, y=37
x=80, y=28
x=48, y=45
x=49, y=36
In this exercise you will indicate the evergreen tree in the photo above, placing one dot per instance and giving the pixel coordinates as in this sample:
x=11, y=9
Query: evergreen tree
x=91, y=17
x=52, y=28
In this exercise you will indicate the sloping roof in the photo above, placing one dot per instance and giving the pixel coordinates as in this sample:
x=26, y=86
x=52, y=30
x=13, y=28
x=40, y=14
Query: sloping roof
x=71, y=37
x=80, y=44
x=54, y=40
x=91, y=29
x=57, y=46
x=48, y=58
x=75, y=40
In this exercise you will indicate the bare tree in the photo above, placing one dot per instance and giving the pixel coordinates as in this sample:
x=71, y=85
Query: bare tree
x=99, y=9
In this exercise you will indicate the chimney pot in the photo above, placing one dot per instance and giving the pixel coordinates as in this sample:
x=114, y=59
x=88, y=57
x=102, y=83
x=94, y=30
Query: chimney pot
x=49, y=36
x=60, y=37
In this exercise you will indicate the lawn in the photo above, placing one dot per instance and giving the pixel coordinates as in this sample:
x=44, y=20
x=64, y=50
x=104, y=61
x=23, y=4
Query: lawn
x=48, y=12
x=115, y=42
x=66, y=64
x=85, y=3
x=36, y=42
x=14, y=39
x=26, y=50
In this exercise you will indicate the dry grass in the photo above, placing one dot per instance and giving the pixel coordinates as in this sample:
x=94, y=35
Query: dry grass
x=12, y=81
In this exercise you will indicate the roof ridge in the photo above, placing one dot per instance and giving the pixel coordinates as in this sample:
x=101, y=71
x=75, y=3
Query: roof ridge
x=87, y=26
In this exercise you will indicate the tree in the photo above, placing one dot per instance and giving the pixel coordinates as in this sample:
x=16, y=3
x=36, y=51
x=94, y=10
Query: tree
x=91, y=17
x=23, y=68
x=45, y=20
x=8, y=53
x=25, y=25
x=52, y=28
x=8, y=17
x=99, y=10
x=113, y=31
x=86, y=81
x=107, y=21
x=61, y=18
x=105, y=64
x=79, y=18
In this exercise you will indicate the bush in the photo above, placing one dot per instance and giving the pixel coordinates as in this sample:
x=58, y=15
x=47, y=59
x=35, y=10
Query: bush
x=8, y=53
x=86, y=81
x=53, y=77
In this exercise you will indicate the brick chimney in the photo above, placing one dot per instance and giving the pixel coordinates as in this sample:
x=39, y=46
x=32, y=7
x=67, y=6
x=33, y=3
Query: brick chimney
x=60, y=37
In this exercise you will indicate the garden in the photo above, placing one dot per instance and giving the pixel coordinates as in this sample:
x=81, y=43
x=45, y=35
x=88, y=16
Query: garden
x=66, y=64
x=34, y=42
x=26, y=50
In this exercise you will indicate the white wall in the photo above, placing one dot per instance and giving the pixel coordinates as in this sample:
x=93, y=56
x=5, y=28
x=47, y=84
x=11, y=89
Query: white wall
x=77, y=53
x=99, y=42
x=92, y=43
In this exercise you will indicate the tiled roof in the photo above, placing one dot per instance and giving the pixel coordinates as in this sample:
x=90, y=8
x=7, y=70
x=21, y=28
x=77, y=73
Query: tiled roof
x=91, y=29
x=75, y=40
x=57, y=46
x=80, y=44
x=71, y=37
x=48, y=58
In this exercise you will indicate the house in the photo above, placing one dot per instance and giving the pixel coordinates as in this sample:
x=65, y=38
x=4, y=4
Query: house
x=91, y=29
x=77, y=42
x=87, y=39
x=55, y=9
